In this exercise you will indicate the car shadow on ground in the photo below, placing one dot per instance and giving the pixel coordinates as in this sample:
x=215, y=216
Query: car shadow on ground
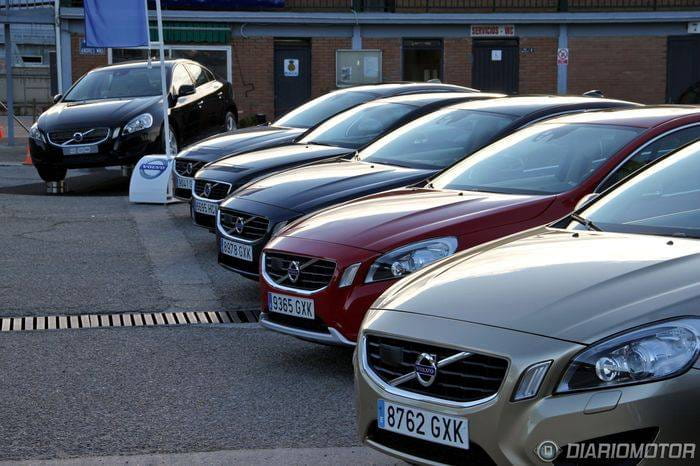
x=95, y=182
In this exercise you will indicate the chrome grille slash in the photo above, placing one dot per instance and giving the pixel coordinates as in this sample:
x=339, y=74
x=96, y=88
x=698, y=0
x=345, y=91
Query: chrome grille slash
x=78, y=137
x=314, y=274
x=240, y=225
x=187, y=168
x=211, y=190
x=462, y=378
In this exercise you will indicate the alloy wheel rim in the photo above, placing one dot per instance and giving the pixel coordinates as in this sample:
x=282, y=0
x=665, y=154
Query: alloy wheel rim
x=230, y=122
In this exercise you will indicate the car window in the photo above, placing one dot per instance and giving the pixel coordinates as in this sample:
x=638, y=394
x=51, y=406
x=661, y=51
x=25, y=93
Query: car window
x=180, y=77
x=358, y=126
x=547, y=158
x=437, y=140
x=663, y=199
x=210, y=76
x=320, y=109
x=114, y=83
x=198, y=74
x=653, y=151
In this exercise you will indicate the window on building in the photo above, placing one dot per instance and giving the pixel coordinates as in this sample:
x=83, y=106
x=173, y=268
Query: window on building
x=422, y=59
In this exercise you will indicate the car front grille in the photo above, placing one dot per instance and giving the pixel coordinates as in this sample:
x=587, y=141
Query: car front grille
x=187, y=168
x=78, y=136
x=213, y=190
x=243, y=226
x=471, y=378
x=314, y=274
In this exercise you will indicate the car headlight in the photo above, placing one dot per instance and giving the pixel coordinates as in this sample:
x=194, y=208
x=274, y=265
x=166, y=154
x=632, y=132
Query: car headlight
x=277, y=228
x=408, y=259
x=652, y=353
x=36, y=134
x=141, y=122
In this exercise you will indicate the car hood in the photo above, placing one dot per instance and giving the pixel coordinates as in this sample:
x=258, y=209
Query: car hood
x=388, y=220
x=95, y=113
x=240, y=140
x=307, y=189
x=572, y=287
x=259, y=163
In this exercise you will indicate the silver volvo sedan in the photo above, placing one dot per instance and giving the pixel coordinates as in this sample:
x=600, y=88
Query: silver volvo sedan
x=574, y=342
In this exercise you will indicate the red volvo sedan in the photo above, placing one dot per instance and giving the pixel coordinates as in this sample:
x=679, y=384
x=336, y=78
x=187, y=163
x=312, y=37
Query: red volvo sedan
x=358, y=249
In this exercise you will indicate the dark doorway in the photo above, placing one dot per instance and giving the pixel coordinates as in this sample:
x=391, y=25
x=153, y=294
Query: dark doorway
x=292, y=74
x=422, y=59
x=496, y=67
x=683, y=70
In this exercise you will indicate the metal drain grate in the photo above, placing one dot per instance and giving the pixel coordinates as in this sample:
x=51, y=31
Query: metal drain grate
x=140, y=319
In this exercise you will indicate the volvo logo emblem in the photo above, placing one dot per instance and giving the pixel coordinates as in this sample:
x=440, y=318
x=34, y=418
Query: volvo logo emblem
x=294, y=271
x=426, y=369
x=189, y=168
x=77, y=137
x=239, y=225
x=207, y=189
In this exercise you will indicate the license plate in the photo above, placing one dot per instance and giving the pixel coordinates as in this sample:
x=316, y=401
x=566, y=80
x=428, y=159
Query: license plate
x=184, y=183
x=422, y=424
x=291, y=305
x=80, y=150
x=237, y=250
x=204, y=207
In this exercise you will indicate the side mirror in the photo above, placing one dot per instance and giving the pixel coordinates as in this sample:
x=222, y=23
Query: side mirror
x=185, y=90
x=57, y=97
x=587, y=199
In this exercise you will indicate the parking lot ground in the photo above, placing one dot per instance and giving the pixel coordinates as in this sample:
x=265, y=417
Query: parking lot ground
x=235, y=390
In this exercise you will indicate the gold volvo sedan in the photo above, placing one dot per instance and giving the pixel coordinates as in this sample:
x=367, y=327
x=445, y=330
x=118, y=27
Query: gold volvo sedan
x=570, y=343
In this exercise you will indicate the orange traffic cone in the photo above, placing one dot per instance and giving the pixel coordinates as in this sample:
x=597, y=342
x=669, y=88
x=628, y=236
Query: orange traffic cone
x=27, y=158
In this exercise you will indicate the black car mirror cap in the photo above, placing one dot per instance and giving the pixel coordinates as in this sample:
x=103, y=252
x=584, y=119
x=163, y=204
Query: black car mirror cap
x=57, y=97
x=185, y=90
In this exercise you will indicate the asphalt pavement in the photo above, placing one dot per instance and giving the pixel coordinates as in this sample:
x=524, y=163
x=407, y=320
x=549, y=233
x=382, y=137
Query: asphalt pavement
x=191, y=394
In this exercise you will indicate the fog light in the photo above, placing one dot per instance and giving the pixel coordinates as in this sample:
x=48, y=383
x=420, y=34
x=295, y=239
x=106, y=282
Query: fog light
x=531, y=380
x=349, y=275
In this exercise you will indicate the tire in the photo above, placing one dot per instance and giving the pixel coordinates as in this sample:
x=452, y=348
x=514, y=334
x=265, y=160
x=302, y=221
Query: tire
x=173, y=141
x=230, y=123
x=51, y=173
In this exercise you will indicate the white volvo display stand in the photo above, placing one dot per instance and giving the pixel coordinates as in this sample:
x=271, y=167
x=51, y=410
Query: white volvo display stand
x=152, y=180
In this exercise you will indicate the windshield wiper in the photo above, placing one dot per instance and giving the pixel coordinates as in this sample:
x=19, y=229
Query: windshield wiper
x=586, y=222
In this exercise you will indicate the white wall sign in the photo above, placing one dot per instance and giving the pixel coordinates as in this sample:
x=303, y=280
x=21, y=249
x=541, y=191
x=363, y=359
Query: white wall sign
x=563, y=56
x=492, y=30
x=496, y=55
x=693, y=28
x=291, y=67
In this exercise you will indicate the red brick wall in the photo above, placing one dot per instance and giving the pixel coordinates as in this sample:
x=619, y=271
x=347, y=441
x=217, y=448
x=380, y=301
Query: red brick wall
x=253, y=76
x=323, y=63
x=632, y=68
x=457, y=61
x=538, y=70
x=81, y=64
x=391, y=56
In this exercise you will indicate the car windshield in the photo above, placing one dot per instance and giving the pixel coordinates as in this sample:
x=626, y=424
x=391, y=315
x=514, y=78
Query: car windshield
x=548, y=158
x=437, y=140
x=116, y=83
x=358, y=126
x=662, y=200
x=320, y=109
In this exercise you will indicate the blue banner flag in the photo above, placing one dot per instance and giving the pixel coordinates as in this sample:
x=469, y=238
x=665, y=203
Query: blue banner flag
x=116, y=23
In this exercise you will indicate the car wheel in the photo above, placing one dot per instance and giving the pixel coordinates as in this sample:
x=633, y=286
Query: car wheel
x=230, y=122
x=49, y=174
x=172, y=142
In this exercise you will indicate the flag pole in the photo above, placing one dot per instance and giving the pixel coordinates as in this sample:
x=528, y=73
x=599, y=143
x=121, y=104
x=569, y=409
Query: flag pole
x=166, y=122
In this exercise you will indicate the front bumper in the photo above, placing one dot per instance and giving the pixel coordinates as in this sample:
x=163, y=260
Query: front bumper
x=506, y=432
x=124, y=150
x=339, y=311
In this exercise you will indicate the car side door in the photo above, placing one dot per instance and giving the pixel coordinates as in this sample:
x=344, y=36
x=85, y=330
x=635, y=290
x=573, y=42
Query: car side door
x=658, y=147
x=184, y=114
x=207, y=105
